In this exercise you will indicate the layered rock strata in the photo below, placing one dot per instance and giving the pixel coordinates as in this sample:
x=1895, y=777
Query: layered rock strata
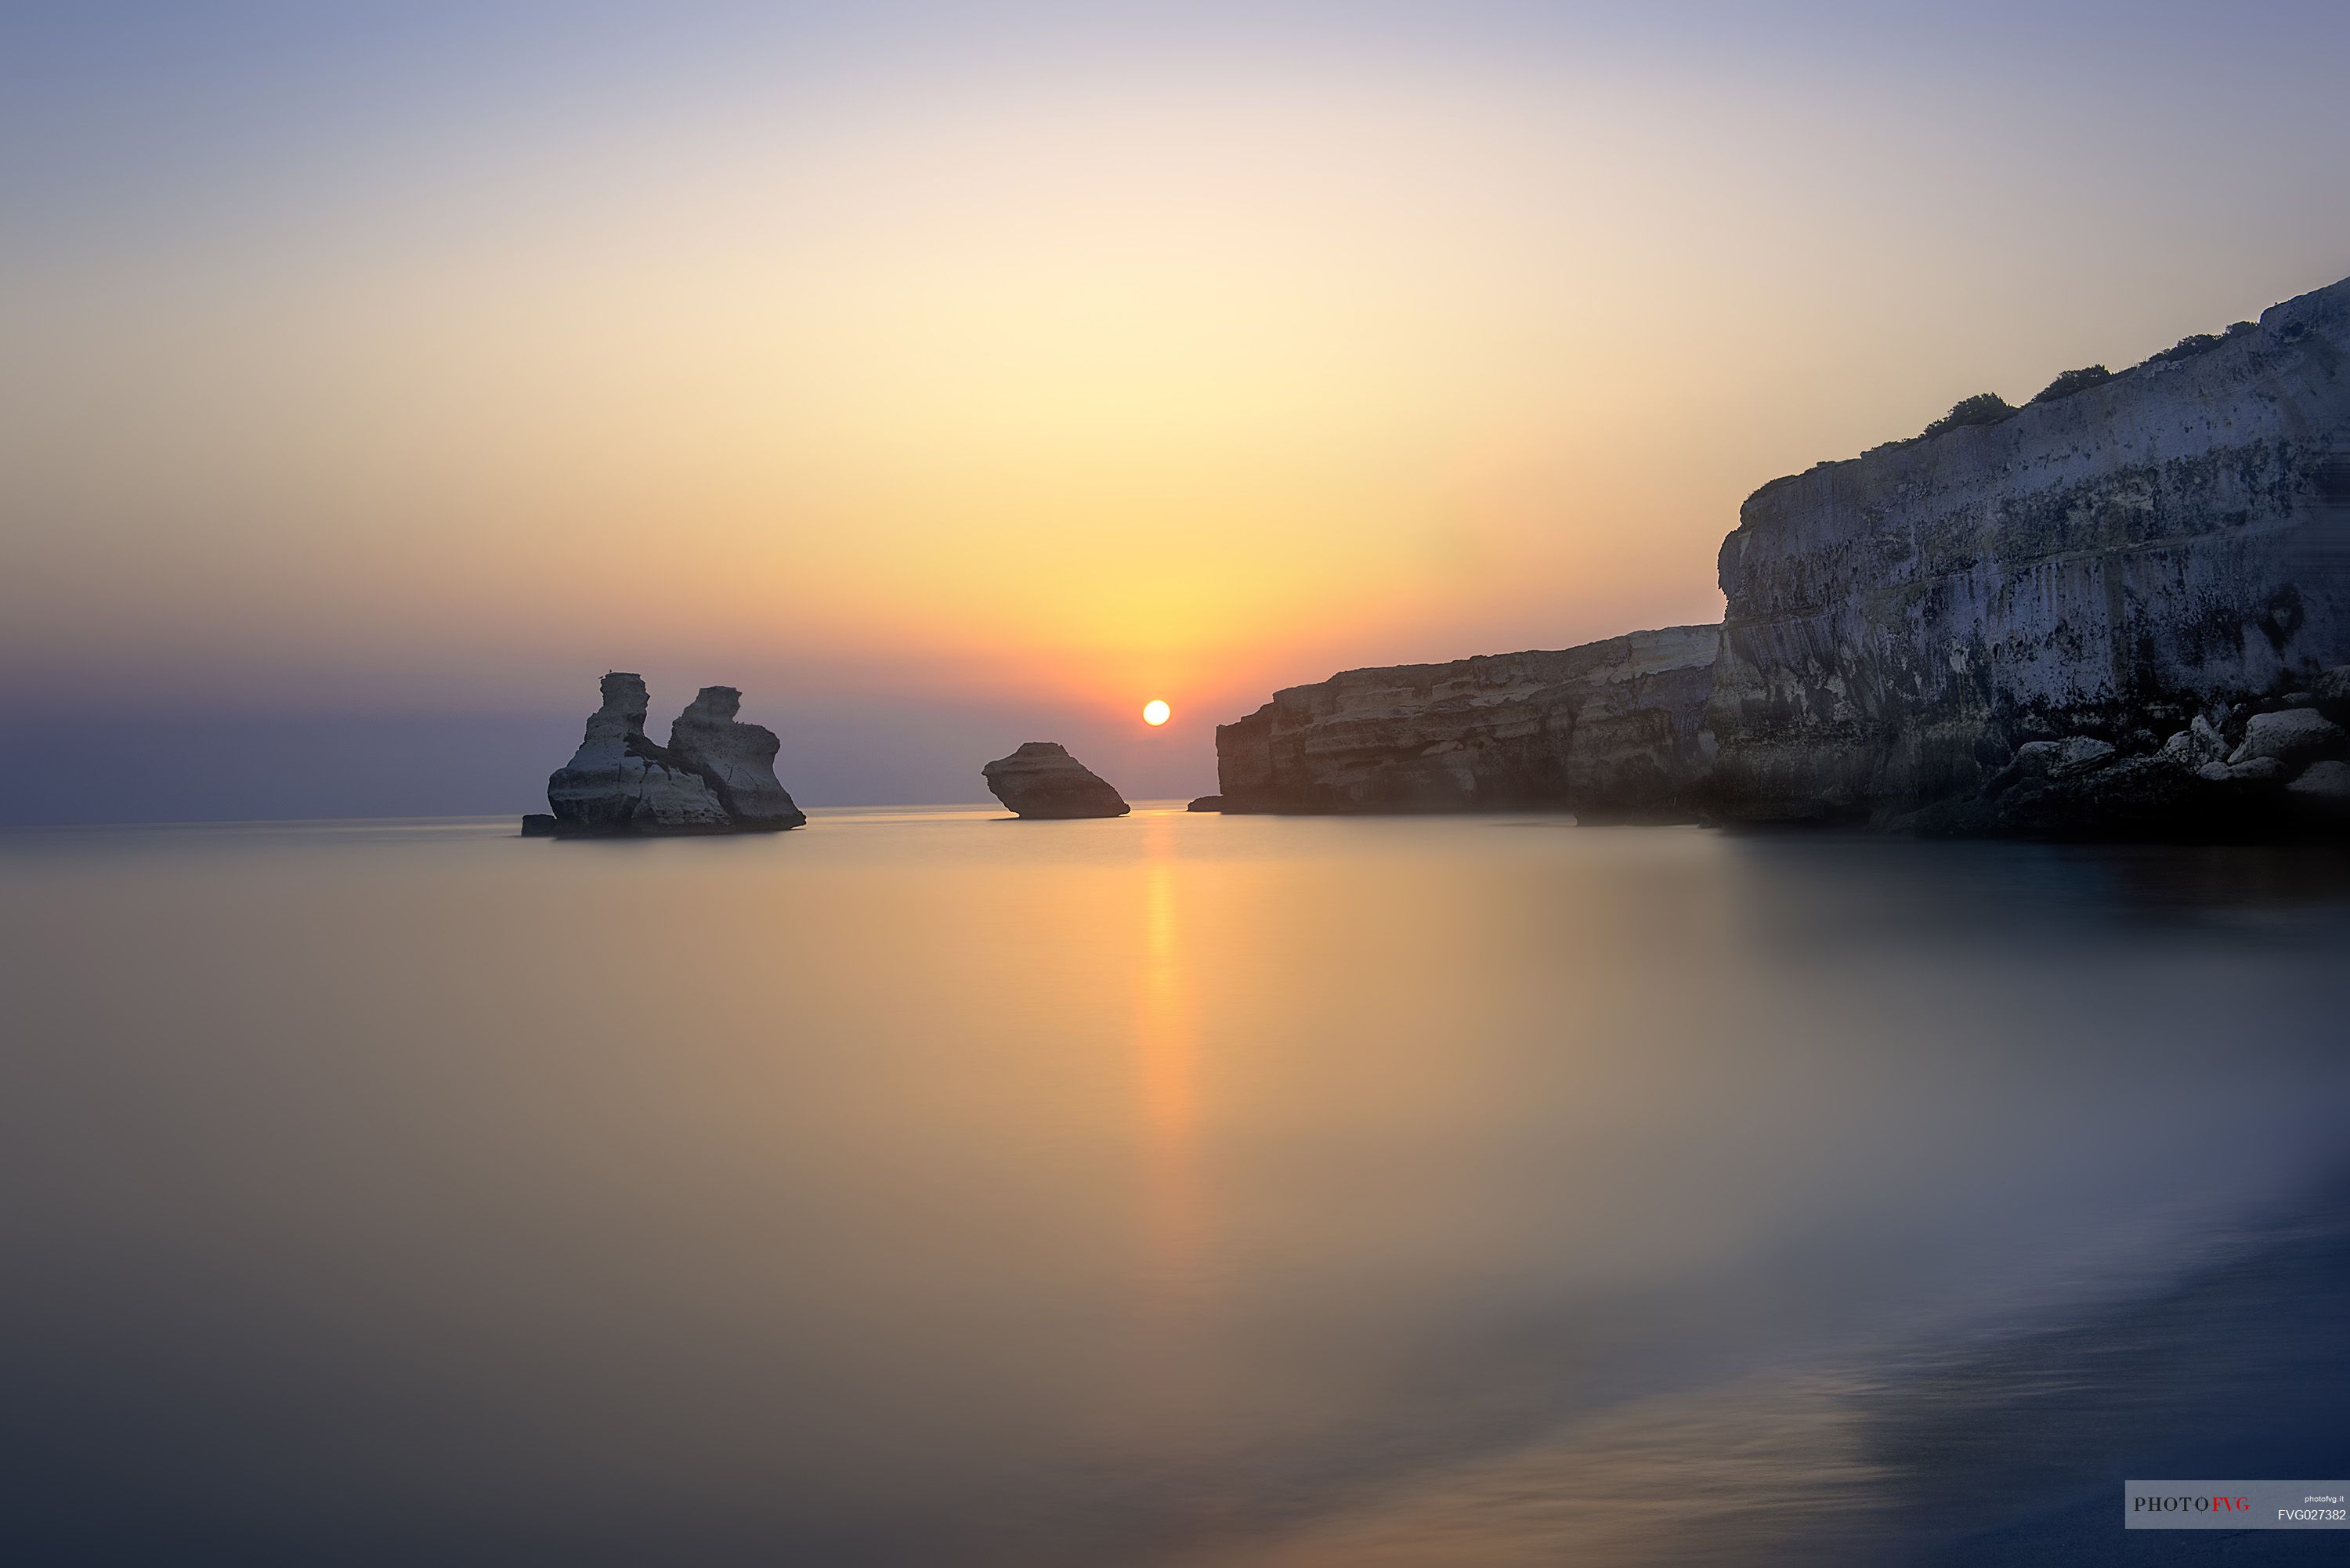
x=2169, y=545
x=715, y=775
x=735, y=759
x=2121, y=610
x=1612, y=728
x=1041, y=780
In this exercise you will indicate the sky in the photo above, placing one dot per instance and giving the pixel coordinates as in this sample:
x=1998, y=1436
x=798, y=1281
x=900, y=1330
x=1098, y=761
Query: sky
x=372, y=378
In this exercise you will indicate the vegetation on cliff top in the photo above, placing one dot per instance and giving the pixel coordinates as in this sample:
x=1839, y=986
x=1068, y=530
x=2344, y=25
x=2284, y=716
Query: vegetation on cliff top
x=2196, y=343
x=2072, y=381
x=1982, y=408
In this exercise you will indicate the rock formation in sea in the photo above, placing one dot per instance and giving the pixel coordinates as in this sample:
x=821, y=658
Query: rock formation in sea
x=715, y=775
x=1613, y=728
x=2122, y=610
x=737, y=761
x=1041, y=780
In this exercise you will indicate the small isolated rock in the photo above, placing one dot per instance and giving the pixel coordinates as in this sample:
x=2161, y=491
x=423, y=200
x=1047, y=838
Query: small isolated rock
x=2323, y=781
x=1207, y=802
x=2210, y=746
x=2290, y=737
x=2060, y=759
x=1040, y=779
x=537, y=824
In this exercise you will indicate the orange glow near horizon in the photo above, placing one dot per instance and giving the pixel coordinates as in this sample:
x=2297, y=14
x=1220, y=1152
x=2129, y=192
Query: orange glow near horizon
x=1003, y=383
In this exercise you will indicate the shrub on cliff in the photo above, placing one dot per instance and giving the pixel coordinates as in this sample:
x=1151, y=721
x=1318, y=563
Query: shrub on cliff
x=1982, y=408
x=2196, y=343
x=2187, y=348
x=2072, y=381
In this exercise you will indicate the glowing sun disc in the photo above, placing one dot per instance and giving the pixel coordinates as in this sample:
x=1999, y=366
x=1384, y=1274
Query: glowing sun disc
x=1155, y=712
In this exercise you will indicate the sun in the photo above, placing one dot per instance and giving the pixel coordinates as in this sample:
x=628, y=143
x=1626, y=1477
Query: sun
x=1155, y=712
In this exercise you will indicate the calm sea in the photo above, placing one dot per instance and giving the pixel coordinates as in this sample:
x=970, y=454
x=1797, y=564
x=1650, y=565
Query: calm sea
x=930, y=1188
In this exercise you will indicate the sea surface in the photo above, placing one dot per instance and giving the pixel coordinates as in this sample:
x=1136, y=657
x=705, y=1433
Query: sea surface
x=926, y=1186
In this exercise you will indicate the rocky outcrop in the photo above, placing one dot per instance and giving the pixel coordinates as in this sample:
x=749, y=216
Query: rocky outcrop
x=1207, y=802
x=737, y=761
x=2255, y=774
x=2123, y=610
x=2153, y=565
x=715, y=775
x=1613, y=728
x=1041, y=780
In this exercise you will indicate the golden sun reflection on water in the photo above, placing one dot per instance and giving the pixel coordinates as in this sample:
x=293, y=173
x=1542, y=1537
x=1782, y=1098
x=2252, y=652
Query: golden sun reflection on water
x=1167, y=1087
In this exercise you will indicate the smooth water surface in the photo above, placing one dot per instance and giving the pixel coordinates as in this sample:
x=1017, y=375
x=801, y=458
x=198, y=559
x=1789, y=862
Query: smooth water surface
x=928, y=1187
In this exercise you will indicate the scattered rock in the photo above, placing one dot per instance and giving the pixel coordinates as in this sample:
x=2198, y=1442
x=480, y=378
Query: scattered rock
x=1041, y=780
x=2128, y=797
x=2289, y=738
x=2257, y=769
x=1207, y=802
x=2210, y=746
x=537, y=824
x=2323, y=781
x=2062, y=759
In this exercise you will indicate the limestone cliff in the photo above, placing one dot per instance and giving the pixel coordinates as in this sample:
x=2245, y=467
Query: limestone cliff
x=2123, y=610
x=2109, y=565
x=1608, y=728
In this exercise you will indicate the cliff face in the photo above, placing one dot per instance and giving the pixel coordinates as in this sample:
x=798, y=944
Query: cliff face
x=1614, y=727
x=2123, y=610
x=2171, y=543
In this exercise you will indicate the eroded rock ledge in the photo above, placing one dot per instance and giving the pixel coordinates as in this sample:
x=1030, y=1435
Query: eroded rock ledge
x=1609, y=727
x=716, y=774
x=2121, y=610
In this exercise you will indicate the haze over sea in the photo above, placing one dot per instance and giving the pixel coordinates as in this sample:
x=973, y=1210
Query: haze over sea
x=926, y=1187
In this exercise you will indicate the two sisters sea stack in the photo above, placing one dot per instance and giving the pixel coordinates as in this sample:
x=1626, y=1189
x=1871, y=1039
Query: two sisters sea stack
x=717, y=775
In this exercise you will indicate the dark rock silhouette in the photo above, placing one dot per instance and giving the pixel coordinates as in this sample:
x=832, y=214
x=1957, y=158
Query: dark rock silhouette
x=1041, y=780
